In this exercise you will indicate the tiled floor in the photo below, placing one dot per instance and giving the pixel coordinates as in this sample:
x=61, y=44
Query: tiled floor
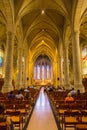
x=42, y=117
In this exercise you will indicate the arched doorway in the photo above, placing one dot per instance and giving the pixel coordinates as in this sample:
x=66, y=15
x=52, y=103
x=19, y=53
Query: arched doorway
x=43, y=70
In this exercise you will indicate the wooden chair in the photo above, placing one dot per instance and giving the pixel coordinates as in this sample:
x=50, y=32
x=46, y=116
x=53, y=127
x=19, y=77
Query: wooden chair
x=76, y=107
x=23, y=110
x=2, y=127
x=60, y=112
x=83, y=119
x=16, y=118
x=61, y=109
x=70, y=119
x=9, y=107
x=81, y=127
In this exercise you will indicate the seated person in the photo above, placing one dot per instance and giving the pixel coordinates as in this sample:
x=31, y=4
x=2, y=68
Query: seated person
x=26, y=90
x=60, y=89
x=19, y=95
x=4, y=121
x=27, y=95
x=11, y=95
x=69, y=98
x=73, y=92
x=78, y=94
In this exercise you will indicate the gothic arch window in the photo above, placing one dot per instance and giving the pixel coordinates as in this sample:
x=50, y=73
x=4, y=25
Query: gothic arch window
x=48, y=71
x=42, y=68
x=43, y=76
x=38, y=72
x=35, y=72
x=84, y=60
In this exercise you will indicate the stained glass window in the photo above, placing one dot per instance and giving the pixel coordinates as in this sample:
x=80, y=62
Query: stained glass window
x=84, y=60
x=84, y=53
x=47, y=71
x=42, y=68
x=38, y=72
x=42, y=72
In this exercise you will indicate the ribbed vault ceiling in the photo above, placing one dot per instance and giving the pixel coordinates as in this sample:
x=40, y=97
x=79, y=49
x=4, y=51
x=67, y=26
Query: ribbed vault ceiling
x=48, y=26
x=35, y=24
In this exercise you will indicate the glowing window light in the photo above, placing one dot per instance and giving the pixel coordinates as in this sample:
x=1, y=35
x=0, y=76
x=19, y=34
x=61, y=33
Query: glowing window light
x=42, y=12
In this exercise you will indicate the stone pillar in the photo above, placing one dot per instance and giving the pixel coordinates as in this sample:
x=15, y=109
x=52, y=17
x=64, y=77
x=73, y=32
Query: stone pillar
x=19, y=69
x=9, y=63
x=25, y=71
x=4, y=63
x=33, y=74
x=30, y=73
x=60, y=71
x=66, y=69
x=81, y=59
x=77, y=62
x=57, y=83
x=27, y=68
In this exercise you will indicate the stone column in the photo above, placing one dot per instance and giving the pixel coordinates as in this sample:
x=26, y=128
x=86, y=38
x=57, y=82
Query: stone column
x=19, y=71
x=24, y=72
x=4, y=62
x=60, y=71
x=77, y=62
x=9, y=63
x=30, y=73
x=81, y=59
x=27, y=69
x=66, y=69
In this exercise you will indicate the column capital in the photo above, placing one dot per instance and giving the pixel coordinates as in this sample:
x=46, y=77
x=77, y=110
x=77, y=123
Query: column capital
x=11, y=27
x=10, y=32
x=60, y=56
x=75, y=32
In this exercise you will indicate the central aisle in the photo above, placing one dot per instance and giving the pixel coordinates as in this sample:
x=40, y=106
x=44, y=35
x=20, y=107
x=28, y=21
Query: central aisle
x=42, y=117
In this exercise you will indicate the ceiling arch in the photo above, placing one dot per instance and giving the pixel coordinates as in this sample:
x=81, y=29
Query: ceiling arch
x=23, y=8
x=33, y=22
x=43, y=22
x=43, y=50
x=50, y=26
